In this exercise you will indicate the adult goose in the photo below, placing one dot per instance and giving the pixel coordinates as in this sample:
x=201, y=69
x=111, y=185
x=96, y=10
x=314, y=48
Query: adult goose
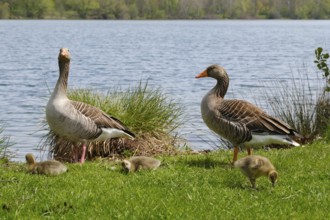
x=238, y=121
x=78, y=122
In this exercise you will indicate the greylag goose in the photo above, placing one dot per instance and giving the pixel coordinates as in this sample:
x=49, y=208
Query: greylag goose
x=238, y=121
x=78, y=122
x=48, y=167
x=255, y=166
x=140, y=162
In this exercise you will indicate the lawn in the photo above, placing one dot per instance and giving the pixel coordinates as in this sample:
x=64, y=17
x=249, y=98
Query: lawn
x=201, y=186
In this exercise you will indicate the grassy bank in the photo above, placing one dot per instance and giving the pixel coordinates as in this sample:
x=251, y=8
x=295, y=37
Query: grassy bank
x=186, y=187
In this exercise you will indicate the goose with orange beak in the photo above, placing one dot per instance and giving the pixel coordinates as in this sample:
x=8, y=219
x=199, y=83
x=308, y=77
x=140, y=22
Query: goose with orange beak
x=240, y=122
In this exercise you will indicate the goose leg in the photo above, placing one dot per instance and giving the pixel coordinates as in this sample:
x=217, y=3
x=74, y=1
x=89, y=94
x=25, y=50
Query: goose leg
x=74, y=154
x=249, y=150
x=235, y=154
x=82, y=159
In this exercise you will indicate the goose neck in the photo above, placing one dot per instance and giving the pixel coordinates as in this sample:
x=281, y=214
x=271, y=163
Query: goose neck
x=221, y=88
x=62, y=82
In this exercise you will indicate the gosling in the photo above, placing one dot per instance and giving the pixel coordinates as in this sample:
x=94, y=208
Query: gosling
x=255, y=166
x=49, y=167
x=140, y=162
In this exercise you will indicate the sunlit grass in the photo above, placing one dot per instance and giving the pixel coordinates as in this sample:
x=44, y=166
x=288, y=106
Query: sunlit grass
x=185, y=187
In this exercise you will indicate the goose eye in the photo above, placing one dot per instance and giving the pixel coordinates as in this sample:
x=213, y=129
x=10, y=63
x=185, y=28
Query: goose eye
x=211, y=68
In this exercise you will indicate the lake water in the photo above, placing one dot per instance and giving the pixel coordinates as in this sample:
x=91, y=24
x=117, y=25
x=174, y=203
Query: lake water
x=167, y=53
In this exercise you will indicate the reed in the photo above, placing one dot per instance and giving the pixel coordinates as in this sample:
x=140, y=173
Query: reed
x=4, y=145
x=147, y=112
x=301, y=106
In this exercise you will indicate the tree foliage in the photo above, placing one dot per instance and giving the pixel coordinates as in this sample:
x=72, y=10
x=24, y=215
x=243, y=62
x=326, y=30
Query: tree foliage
x=165, y=9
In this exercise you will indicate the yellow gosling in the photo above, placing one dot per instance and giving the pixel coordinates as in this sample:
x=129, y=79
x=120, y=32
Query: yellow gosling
x=255, y=166
x=49, y=167
x=140, y=162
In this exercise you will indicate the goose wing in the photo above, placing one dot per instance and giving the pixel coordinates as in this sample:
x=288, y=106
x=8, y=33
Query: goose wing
x=248, y=116
x=100, y=118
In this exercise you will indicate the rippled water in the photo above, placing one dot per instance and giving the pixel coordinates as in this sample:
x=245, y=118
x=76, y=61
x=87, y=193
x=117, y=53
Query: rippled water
x=167, y=53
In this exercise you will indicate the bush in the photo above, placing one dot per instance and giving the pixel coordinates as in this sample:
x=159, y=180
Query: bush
x=321, y=63
x=148, y=113
x=323, y=114
x=323, y=103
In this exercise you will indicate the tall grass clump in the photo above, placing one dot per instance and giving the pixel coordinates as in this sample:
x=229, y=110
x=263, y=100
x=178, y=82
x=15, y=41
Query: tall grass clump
x=294, y=102
x=147, y=112
x=4, y=145
x=323, y=114
x=300, y=105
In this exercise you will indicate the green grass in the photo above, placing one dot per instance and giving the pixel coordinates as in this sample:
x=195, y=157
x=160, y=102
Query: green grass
x=186, y=187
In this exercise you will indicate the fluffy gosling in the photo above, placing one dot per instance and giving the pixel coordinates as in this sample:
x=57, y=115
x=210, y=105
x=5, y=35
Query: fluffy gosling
x=49, y=167
x=140, y=162
x=255, y=166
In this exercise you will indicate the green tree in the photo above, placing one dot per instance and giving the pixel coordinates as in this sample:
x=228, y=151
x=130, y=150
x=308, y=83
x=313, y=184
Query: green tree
x=4, y=10
x=133, y=11
x=84, y=8
x=165, y=9
x=121, y=11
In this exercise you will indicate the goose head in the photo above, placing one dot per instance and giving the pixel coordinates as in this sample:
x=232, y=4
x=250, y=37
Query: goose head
x=219, y=73
x=64, y=55
x=214, y=71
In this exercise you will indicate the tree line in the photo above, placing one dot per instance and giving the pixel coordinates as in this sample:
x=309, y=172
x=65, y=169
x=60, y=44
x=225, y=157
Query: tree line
x=164, y=9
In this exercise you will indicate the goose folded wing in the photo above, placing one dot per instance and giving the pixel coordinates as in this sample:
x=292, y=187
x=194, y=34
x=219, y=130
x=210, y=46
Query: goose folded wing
x=255, y=119
x=100, y=118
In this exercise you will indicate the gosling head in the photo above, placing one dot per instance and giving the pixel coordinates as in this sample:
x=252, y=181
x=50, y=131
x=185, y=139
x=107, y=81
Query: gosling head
x=273, y=177
x=30, y=159
x=127, y=165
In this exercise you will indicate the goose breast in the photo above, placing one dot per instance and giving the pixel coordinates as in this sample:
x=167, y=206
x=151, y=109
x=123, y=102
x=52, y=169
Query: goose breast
x=68, y=122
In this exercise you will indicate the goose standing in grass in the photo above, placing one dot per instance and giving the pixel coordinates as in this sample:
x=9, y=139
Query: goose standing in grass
x=78, y=122
x=238, y=121
x=255, y=166
x=48, y=167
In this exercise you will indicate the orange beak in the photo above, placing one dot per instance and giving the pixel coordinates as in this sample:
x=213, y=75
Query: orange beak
x=202, y=74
